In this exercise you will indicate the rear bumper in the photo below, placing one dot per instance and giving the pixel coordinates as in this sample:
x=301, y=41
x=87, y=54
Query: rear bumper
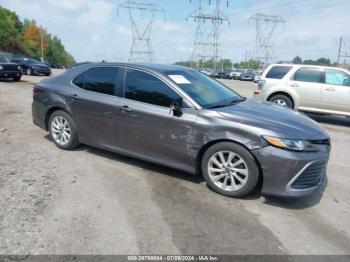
x=39, y=114
x=285, y=173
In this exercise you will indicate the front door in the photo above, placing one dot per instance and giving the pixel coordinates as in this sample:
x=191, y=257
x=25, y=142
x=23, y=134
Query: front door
x=146, y=126
x=95, y=105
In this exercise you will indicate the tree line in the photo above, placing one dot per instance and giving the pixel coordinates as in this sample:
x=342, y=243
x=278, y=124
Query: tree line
x=250, y=64
x=26, y=38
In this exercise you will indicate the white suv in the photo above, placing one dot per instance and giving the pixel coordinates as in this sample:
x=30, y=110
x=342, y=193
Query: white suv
x=317, y=89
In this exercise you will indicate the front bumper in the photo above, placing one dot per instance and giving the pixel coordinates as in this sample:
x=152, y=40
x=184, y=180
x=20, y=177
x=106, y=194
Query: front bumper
x=10, y=74
x=42, y=71
x=289, y=174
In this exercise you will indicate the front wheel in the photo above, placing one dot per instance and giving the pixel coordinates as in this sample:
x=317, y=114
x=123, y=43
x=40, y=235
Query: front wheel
x=62, y=130
x=230, y=170
x=17, y=79
x=281, y=100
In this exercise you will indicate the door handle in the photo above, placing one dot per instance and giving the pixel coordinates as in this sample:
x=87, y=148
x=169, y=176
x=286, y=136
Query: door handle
x=330, y=89
x=125, y=109
x=294, y=85
x=74, y=97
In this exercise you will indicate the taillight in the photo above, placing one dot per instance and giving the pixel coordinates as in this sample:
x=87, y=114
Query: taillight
x=37, y=90
x=261, y=84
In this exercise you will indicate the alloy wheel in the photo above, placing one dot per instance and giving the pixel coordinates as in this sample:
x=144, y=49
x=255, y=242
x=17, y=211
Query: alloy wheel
x=60, y=130
x=280, y=102
x=228, y=171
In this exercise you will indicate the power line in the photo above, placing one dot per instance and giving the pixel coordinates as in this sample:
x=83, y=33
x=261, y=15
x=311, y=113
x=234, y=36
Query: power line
x=141, y=47
x=206, y=45
x=265, y=26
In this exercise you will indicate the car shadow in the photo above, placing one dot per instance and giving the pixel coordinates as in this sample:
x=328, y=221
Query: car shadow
x=138, y=163
x=298, y=202
x=330, y=119
x=287, y=203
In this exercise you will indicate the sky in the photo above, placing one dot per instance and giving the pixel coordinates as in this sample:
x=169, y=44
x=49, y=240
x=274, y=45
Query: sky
x=93, y=30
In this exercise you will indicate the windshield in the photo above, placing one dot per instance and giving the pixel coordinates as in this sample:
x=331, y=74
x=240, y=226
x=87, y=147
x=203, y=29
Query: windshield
x=207, y=92
x=32, y=61
x=3, y=59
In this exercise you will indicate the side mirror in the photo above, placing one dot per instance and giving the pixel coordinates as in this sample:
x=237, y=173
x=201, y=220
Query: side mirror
x=175, y=107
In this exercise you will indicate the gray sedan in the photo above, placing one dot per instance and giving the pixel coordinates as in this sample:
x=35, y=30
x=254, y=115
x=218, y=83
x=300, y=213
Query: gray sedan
x=181, y=118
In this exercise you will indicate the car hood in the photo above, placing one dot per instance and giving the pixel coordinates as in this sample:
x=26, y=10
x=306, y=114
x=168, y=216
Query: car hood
x=270, y=119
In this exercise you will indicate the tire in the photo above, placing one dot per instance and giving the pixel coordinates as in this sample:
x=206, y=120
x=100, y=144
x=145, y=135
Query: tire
x=236, y=170
x=281, y=100
x=56, y=124
x=17, y=79
x=29, y=71
x=47, y=74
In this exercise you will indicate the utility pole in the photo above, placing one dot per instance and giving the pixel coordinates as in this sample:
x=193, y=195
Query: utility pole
x=265, y=26
x=141, y=48
x=206, y=42
x=41, y=45
x=339, y=51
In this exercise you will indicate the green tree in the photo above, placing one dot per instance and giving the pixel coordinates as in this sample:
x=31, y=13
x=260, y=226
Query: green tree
x=10, y=31
x=297, y=60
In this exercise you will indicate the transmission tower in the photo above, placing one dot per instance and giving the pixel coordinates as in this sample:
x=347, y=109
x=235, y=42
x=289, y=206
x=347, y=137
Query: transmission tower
x=206, y=42
x=266, y=26
x=141, y=46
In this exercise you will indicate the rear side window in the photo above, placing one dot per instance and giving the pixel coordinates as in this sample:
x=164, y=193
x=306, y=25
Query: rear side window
x=278, y=72
x=99, y=79
x=335, y=77
x=143, y=87
x=312, y=75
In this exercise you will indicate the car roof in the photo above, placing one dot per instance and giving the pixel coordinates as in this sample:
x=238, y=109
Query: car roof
x=310, y=66
x=160, y=68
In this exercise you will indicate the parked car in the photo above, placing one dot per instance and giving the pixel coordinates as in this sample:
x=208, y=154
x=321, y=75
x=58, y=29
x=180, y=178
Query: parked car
x=32, y=66
x=236, y=74
x=224, y=74
x=317, y=89
x=257, y=77
x=181, y=118
x=57, y=66
x=247, y=76
x=9, y=70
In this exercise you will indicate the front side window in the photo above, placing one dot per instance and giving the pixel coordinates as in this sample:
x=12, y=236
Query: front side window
x=146, y=88
x=278, y=72
x=335, y=77
x=99, y=79
x=312, y=75
x=207, y=92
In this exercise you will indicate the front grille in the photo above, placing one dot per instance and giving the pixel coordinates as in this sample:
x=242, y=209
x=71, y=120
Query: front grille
x=310, y=177
x=10, y=67
x=321, y=142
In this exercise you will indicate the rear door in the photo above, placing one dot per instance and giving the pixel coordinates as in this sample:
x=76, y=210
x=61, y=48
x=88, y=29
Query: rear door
x=308, y=84
x=336, y=91
x=94, y=105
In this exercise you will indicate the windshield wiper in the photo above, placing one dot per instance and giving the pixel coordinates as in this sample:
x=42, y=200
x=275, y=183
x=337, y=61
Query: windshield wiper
x=228, y=103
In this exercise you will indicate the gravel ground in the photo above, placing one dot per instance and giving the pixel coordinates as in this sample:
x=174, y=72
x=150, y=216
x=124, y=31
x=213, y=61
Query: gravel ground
x=90, y=201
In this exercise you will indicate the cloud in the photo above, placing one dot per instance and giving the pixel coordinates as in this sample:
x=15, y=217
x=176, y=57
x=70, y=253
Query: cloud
x=91, y=29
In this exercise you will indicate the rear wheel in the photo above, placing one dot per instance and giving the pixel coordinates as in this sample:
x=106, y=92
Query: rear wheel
x=282, y=100
x=230, y=170
x=62, y=130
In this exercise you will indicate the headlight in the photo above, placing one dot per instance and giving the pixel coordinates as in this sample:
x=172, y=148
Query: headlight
x=1, y=68
x=290, y=144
